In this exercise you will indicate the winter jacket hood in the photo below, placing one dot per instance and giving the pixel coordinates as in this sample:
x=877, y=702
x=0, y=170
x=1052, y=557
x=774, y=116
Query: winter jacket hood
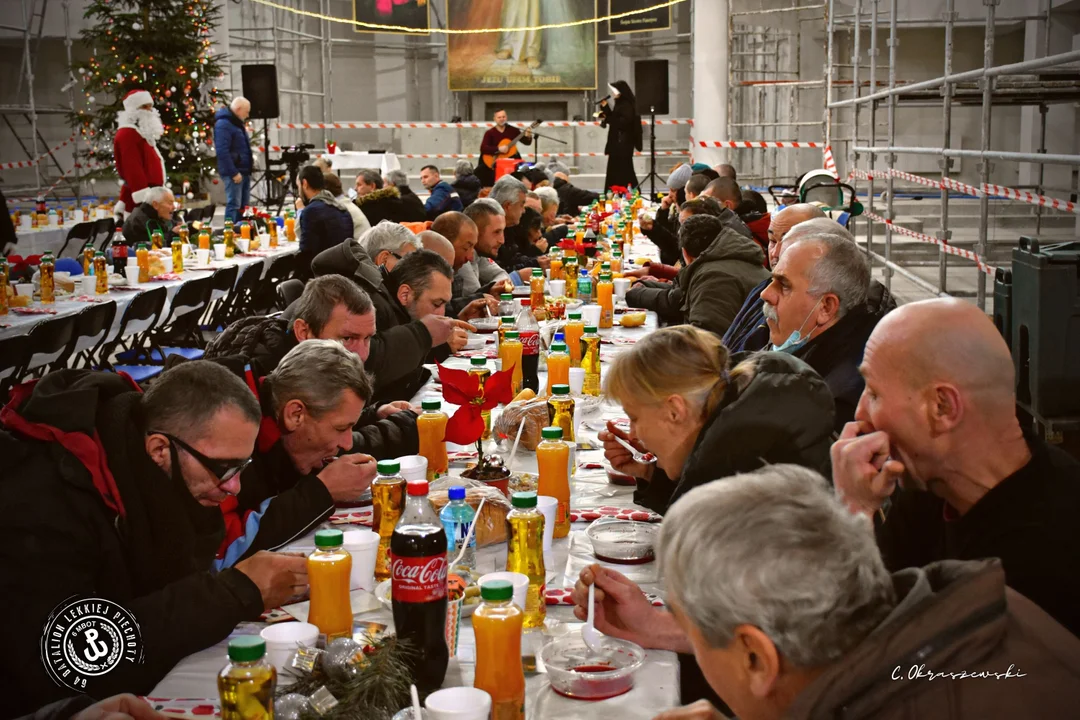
x=952, y=617
x=746, y=431
x=350, y=260
x=716, y=282
x=264, y=340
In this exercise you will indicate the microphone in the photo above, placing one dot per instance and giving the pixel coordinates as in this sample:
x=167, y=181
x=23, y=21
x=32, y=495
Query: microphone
x=603, y=99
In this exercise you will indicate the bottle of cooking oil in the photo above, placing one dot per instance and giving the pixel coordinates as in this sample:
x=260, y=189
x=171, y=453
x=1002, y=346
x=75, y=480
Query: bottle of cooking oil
x=247, y=683
x=388, y=498
x=478, y=367
x=47, y=279
x=590, y=360
x=525, y=553
x=230, y=239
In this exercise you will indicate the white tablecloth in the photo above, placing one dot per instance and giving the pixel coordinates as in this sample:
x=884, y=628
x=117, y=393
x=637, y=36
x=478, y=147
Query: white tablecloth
x=656, y=686
x=39, y=240
x=349, y=160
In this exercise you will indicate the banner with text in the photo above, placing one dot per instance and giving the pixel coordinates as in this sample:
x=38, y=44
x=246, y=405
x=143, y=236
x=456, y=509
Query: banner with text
x=659, y=19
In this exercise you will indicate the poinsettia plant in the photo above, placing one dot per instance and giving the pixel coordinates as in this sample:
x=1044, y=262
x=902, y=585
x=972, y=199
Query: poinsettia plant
x=580, y=248
x=466, y=426
x=619, y=190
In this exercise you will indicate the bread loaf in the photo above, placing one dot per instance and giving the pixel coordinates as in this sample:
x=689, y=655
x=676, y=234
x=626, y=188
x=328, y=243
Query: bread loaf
x=491, y=522
x=533, y=413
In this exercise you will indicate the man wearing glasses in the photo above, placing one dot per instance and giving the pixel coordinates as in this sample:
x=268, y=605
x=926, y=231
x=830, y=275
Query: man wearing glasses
x=112, y=493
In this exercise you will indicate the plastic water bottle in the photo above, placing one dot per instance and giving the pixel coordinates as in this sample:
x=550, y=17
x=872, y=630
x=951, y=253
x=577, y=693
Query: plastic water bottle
x=457, y=517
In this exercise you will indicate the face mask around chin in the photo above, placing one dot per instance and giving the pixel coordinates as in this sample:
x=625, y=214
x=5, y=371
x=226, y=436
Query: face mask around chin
x=795, y=340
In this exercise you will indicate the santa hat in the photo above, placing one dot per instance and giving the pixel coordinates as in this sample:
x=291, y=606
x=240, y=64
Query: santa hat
x=136, y=99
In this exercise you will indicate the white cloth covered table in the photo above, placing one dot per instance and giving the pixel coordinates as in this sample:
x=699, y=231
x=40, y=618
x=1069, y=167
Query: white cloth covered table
x=350, y=160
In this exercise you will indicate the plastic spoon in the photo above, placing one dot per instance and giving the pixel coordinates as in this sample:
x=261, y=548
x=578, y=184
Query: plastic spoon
x=639, y=457
x=468, y=535
x=417, y=714
x=589, y=633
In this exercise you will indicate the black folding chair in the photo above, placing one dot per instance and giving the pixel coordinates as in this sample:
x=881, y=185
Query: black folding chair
x=280, y=269
x=14, y=354
x=51, y=343
x=83, y=232
x=222, y=283
x=289, y=292
x=178, y=333
x=138, y=321
x=92, y=329
x=103, y=232
x=244, y=293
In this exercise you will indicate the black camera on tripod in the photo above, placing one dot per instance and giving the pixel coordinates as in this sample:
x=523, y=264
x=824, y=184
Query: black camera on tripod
x=294, y=155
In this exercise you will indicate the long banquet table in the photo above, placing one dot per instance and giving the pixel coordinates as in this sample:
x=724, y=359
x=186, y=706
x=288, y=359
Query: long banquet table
x=656, y=686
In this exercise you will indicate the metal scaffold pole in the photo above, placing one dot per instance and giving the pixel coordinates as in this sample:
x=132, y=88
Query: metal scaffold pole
x=890, y=215
x=946, y=141
x=984, y=163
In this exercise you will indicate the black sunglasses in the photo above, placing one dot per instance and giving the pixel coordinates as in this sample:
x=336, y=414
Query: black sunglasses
x=223, y=470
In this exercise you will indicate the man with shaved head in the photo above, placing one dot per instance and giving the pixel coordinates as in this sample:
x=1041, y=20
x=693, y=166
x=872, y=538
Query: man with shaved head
x=431, y=240
x=461, y=232
x=938, y=418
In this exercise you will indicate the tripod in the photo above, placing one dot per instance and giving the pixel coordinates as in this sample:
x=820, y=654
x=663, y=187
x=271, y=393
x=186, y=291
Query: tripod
x=536, y=144
x=652, y=153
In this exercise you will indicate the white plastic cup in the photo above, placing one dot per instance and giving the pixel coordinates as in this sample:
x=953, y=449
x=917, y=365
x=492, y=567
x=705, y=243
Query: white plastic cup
x=202, y=257
x=132, y=272
x=591, y=315
x=557, y=288
x=219, y=251
x=413, y=467
x=243, y=245
x=283, y=639
x=548, y=506
x=26, y=222
x=166, y=262
x=89, y=284
x=24, y=289
x=577, y=381
x=519, y=581
x=363, y=545
x=458, y=703
x=622, y=285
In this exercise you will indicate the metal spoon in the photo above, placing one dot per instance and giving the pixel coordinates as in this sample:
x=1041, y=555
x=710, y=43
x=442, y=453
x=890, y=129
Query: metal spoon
x=588, y=633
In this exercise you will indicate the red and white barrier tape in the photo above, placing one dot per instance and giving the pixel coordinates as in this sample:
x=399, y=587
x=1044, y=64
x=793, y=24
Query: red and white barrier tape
x=35, y=161
x=46, y=191
x=360, y=125
x=945, y=247
x=469, y=156
x=830, y=161
x=754, y=144
x=987, y=189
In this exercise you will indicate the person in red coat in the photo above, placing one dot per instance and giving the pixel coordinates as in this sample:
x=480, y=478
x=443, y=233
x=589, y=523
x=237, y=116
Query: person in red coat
x=138, y=162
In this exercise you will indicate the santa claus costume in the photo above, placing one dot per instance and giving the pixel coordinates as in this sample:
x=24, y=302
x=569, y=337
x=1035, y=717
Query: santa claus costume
x=138, y=162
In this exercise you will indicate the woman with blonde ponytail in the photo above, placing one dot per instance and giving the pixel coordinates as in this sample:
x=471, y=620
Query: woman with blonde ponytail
x=706, y=415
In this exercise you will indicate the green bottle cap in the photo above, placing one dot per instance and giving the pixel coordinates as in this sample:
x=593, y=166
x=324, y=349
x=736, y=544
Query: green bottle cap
x=506, y=297
x=507, y=320
x=99, y=254
x=496, y=590
x=388, y=467
x=605, y=277
x=247, y=648
x=537, y=272
x=526, y=499
x=559, y=390
x=329, y=538
x=428, y=405
x=558, y=347
x=554, y=432
x=478, y=361
x=511, y=334
x=575, y=316
x=590, y=329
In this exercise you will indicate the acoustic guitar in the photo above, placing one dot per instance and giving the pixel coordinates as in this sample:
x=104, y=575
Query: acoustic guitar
x=507, y=147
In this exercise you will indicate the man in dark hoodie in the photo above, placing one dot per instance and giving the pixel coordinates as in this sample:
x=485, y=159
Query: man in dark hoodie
x=331, y=307
x=115, y=494
x=819, y=307
x=402, y=343
x=466, y=184
x=324, y=221
x=410, y=201
x=721, y=267
x=824, y=630
x=571, y=197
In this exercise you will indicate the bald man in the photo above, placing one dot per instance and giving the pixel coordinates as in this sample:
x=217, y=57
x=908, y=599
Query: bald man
x=435, y=242
x=234, y=160
x=749, y=330
x=938, y=418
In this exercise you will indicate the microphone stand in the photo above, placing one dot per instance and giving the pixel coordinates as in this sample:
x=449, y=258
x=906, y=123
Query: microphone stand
x=536, y=144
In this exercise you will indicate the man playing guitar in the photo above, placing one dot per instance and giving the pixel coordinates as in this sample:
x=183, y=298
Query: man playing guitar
x=500, y=134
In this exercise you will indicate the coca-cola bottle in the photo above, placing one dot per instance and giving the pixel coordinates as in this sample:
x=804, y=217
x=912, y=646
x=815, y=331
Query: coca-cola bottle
x=529, y=334
x=418, y=586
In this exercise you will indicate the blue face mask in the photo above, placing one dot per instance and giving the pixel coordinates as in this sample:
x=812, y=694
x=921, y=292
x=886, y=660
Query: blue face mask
x=795, y=339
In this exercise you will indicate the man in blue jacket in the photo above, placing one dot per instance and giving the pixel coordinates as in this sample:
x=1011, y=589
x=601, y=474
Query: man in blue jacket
x=443, y=197
x=234, y=155
x=324, y=220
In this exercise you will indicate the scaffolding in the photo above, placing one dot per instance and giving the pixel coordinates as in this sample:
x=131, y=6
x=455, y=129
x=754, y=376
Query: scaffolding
x=1042, y=81
x=21, y=117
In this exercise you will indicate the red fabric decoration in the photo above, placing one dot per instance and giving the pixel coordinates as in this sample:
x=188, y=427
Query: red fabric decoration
x=460, y=388
x=619, y=190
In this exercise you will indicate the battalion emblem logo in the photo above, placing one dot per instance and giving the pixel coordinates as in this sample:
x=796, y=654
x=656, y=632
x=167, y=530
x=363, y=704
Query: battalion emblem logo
x=85, y=638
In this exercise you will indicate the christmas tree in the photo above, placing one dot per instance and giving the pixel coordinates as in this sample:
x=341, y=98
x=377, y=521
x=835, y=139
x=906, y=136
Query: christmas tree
x=163, y=47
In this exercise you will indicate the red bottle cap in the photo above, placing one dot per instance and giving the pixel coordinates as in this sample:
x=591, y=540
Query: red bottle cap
x=526, y=302
x=417, y=487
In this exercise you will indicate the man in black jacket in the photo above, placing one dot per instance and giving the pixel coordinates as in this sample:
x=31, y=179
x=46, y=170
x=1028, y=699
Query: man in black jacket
x=402, y=343
x=466, y=184
x=571, y=197
x=413, y=206
x=819, y=308
x=114, y=494
x=378, y=201
x=939, y=416
x=153, y=214
x=304, y=459
x=324, y=220
x=331, y=308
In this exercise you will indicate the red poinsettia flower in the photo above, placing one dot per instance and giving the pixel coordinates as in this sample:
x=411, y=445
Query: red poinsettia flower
x=619, y=190
x=462, y=389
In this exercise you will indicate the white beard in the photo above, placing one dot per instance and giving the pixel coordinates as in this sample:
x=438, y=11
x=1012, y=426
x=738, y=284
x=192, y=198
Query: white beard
x=147, y=122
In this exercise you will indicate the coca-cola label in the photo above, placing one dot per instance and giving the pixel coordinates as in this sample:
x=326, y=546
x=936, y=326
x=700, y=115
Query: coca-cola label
x=530, y=343
x=418, y=579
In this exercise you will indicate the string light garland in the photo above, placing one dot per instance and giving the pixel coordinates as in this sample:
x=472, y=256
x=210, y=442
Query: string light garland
x=466, y=31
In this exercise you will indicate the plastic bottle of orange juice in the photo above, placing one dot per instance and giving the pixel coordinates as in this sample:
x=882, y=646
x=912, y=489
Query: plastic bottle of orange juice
x=431, y=427
x=553, y=459
x=497, y=624
x=510, y=354
x=558, y=366
x=605, y=299
x=573, y=330
x=328, y=575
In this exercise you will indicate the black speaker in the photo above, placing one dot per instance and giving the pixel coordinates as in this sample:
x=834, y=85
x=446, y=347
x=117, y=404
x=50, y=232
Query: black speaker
x=651, y=86
x=260, y=88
